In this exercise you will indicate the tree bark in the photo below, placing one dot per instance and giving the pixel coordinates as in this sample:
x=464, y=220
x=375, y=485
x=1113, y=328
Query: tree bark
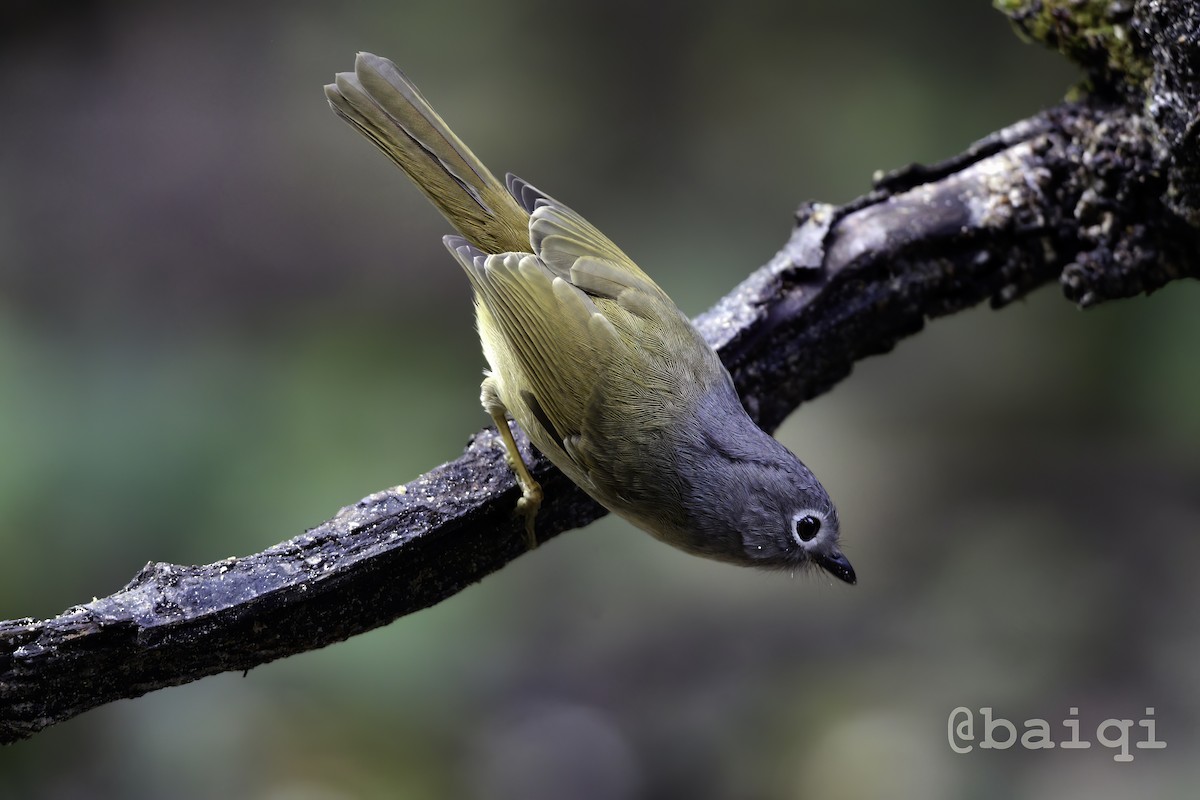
x=1101, y=193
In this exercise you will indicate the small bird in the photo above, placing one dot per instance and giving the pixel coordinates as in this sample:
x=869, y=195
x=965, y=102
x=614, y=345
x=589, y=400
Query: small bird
x=603, y=372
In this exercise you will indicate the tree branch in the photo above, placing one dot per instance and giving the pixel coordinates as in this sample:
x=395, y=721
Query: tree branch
x=1100, y=194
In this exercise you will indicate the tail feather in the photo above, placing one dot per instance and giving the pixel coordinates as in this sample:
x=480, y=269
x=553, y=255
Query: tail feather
x=385, y=106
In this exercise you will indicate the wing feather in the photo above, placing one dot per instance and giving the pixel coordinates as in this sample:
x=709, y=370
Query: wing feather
x=567, y=326
x=554, y=342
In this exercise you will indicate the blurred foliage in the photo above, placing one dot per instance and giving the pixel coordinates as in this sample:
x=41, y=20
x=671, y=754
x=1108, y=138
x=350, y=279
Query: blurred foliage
x=223, y=315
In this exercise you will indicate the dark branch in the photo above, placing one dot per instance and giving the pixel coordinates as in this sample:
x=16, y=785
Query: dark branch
x=1095, y=194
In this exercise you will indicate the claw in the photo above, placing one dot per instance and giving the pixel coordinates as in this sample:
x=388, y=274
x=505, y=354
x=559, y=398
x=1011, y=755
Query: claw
x=531, y=492
x=527, y=507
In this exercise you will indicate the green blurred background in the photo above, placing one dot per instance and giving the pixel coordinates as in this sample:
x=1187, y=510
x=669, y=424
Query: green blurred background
x=223, y=315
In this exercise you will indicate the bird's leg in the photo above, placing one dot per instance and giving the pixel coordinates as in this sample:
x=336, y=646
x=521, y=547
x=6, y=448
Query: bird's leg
x=531, y=491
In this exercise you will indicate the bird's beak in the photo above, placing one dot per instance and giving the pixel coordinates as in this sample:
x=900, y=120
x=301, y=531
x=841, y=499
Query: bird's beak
x=836, y=565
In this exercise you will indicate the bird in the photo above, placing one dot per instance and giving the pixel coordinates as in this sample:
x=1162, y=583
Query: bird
x=592, y=359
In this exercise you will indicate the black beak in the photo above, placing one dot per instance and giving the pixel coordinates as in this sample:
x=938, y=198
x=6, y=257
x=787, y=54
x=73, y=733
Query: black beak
x=836, y=565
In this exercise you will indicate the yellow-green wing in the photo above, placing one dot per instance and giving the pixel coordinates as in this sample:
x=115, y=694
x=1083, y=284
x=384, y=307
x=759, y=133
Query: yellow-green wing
x=675, y=357
x=574, y=249
x=546, y=341
x=586, y=345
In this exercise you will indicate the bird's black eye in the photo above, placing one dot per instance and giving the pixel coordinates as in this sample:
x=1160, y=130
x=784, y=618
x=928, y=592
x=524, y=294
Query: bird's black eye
x=807, y=527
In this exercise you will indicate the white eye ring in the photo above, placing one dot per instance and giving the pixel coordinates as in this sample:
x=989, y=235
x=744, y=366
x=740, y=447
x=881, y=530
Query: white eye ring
x=807, y=526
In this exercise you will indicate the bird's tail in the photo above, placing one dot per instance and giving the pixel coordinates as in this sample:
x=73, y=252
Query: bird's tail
x=386, y=107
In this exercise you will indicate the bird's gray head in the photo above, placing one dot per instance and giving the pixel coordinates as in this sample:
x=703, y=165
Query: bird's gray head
x=789, y=522
x=756, y=504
